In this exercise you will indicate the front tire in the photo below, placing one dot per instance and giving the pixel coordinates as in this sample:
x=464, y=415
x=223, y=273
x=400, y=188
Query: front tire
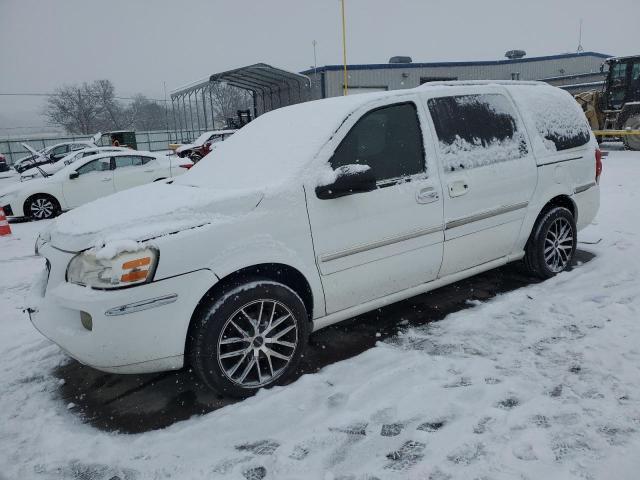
x=250, y=336
x=552, y=244
x=41, y=207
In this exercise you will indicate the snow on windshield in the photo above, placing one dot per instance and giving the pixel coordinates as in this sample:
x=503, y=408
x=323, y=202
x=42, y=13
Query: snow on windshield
x=274, y=149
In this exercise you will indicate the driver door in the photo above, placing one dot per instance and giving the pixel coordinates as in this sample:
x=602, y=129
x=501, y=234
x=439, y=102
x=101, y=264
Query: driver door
x=376, y=243
x=95, y=180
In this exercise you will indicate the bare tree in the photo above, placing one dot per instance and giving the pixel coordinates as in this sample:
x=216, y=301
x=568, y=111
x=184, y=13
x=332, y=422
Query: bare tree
x=146, y=114
x=75, y=107
x=85, y=108
x=112, y=113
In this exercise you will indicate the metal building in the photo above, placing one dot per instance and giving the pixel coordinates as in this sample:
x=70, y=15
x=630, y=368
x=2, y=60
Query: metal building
x=193, y=106
x=573, y=71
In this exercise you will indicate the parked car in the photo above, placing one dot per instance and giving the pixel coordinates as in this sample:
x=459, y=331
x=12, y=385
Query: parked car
x=49, y=154
x=202, y=145
x=48, y=169
x=4, y=166
x=312, y=214
x=86, y=180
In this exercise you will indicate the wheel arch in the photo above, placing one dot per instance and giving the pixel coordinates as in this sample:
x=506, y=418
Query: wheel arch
x=25, y=209
x=278, y=272
x=559, y=200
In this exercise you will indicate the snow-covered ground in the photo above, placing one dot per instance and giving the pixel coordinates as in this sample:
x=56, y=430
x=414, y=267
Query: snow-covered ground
x=542, y=382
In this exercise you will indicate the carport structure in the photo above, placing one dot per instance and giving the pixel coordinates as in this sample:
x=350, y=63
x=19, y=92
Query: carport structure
x=269, y=87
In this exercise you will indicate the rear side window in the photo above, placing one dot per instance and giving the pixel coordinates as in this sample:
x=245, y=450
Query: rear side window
x=387, y=139
x=476, y=130
x=558, y=119
x=122, y=162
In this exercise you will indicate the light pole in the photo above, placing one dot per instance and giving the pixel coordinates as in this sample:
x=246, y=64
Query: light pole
x=344, y=51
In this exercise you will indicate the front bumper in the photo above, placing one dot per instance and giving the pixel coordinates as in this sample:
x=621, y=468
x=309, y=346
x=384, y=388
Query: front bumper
x=144, y=336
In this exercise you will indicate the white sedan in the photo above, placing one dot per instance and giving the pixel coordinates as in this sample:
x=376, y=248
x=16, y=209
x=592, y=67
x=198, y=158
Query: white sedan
x=86, y=180
x=50, y=168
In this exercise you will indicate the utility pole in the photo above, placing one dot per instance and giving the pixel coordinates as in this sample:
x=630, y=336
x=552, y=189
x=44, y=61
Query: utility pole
x=580, y=49
x=345, y=86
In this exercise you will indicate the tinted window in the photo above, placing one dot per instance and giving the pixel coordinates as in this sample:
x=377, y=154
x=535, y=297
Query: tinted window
x=387, y=139
x=558, y=119
x=476, y=130
x=59, y=150
x=146, y=160
x=100, y=165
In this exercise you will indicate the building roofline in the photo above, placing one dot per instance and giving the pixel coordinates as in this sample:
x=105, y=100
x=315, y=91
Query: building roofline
x=391, y=66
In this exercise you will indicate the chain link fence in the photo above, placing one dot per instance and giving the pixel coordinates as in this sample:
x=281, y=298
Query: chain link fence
x=153, y=141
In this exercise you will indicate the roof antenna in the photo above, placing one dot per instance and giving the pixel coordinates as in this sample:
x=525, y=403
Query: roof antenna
x=580, y=48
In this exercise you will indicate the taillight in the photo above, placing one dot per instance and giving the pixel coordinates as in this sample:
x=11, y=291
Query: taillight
x=598, y=164
x=187, y=165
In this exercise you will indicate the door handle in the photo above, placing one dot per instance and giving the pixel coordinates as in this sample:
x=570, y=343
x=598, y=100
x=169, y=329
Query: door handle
x=105, y=180
x=427, y=195
x=458, y=188
x=148, y=171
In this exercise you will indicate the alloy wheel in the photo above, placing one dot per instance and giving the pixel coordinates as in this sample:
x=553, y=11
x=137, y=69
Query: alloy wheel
x=257, y=343
x=42, y=208
x=558, y=245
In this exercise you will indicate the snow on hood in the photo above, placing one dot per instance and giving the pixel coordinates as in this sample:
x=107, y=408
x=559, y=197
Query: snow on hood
x=17, y=186
x=184, y=147
x=276, y=150
x=148, y=212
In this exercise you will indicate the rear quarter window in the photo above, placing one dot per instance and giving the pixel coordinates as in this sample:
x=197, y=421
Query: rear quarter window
x=476, y=130
x=559, y=121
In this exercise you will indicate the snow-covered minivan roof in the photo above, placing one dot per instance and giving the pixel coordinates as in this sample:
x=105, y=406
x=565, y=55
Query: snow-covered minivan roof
x=276, y=148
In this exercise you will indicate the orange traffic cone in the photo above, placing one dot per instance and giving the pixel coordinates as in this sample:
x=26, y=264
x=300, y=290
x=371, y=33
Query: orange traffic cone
x=5, y=229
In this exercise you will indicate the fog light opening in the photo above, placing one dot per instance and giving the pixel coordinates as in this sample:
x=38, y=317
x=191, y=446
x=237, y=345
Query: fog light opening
x=86, y=320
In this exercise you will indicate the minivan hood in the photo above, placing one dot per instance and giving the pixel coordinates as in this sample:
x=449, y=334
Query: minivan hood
x=148, y=212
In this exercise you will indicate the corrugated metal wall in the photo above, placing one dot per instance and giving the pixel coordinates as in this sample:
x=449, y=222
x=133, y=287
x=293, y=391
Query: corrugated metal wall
x=409, y=76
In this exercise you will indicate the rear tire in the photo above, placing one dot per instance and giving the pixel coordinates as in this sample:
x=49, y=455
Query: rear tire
x=252, y=335
x=41, y=207
x=552, y=244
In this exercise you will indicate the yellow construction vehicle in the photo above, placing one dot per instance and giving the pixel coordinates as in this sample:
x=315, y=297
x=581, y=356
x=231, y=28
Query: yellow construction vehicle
x=614, y=112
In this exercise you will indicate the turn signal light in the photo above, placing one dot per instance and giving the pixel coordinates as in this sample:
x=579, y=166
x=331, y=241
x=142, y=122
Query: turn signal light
x=135, y=270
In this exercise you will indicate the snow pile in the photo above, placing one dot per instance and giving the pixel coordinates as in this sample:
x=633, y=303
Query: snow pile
x=462, y=154
x=327, y=175
x=556, y=115
x=538, y=383
x=152, y=210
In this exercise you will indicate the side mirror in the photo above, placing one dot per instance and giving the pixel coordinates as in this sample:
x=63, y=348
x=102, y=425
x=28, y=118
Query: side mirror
x=73, y=175
x=349, y=179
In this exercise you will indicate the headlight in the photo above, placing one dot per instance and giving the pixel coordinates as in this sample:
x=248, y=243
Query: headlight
x=123, y=270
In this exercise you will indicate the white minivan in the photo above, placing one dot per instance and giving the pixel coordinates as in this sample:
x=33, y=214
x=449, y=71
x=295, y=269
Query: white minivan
x=313, y=214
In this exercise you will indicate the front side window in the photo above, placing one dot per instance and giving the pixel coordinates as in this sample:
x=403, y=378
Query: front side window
x=59, y=150
x=100, y=165
x=476, y=130
x=388, y=140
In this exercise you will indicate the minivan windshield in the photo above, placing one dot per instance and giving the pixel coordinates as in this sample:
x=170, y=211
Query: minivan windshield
x=276, y=149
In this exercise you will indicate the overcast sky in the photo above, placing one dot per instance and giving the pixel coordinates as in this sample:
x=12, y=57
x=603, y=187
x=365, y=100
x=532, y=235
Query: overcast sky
x=141, y=44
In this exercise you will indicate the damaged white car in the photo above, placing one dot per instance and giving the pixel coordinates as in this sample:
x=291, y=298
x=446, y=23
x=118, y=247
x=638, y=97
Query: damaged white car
x=313, y=214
